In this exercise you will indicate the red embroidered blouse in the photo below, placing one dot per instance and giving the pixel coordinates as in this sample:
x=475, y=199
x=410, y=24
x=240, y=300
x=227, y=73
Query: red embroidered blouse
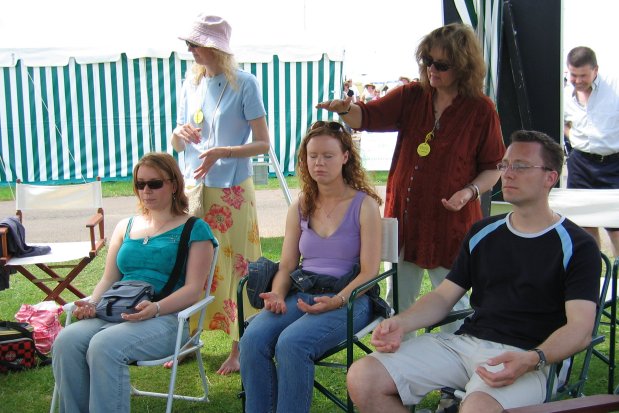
x=467, y=141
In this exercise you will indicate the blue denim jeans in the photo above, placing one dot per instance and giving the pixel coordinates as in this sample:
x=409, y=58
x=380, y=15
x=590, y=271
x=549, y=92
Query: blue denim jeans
x=290, y=341
x=91, y=360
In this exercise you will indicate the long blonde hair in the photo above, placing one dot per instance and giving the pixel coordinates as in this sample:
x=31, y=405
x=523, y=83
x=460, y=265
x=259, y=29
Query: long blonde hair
x=225, y=61
x=353, y=173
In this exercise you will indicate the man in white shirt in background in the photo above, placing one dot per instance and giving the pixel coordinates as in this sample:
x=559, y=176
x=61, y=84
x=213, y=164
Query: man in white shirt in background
x=591, y=107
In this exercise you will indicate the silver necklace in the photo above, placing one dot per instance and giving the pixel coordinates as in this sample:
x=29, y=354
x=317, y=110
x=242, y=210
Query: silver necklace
x=328, y=214
x=148, y=237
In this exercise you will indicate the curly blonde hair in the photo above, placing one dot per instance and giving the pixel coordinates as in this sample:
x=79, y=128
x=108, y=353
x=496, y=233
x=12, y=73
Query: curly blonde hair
x=353, y=173
x=225, y=61
x=462, y=49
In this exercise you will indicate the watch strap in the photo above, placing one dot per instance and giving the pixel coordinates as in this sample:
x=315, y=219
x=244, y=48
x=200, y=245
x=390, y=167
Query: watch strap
x=542, y=359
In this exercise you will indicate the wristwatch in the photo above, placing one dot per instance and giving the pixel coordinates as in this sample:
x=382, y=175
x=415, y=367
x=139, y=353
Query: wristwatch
x=542, y=359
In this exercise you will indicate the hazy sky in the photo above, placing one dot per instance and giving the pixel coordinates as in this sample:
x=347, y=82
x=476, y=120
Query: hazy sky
x=379, y=36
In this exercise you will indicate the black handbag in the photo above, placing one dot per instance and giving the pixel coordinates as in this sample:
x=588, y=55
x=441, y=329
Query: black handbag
x=17, y=348
x=123, y=296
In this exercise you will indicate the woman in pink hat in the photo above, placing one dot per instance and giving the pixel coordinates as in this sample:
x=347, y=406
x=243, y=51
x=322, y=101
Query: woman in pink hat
x=219, y=107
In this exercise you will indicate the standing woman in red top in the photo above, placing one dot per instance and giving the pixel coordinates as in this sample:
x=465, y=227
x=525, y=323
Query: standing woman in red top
x=449, y=143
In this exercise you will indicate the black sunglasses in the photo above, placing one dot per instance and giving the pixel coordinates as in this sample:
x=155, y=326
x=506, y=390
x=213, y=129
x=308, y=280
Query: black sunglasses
x=191, y=45
x=441, y=67
x=333, y=126
x=152, y=184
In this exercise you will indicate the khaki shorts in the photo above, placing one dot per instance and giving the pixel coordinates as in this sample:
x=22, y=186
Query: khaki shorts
x=432, y=361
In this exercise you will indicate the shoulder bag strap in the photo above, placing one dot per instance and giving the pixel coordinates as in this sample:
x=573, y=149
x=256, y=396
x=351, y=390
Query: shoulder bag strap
x=181, y=258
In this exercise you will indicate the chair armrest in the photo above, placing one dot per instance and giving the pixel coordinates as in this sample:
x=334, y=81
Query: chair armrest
x=4, y=246
x=589, y=404
x=451, y=317
x=189, y=311
x=369, y=284
x=94, y=220
x=68, y=309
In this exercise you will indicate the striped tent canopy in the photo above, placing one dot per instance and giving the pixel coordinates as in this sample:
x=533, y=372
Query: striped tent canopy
x=69, y=116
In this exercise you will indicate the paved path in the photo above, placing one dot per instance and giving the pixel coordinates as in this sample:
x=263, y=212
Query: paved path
x=69, y=226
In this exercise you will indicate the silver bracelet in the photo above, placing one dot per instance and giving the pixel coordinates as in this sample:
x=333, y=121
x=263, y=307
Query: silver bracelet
x=475, y=190
x=158, y=309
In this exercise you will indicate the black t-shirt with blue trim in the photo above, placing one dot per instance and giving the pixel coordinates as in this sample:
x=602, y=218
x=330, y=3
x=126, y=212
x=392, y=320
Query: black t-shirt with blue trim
x=520, y=282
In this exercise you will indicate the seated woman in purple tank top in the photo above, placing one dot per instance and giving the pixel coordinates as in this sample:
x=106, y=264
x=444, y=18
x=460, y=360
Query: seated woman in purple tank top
x=333, y=231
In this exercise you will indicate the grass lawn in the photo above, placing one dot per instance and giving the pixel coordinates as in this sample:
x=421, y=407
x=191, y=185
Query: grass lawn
x=31, y=391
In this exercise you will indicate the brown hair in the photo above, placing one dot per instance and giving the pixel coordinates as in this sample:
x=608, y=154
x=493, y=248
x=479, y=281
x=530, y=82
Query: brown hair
x=551, y=151
x=581, y=56
x=353, y=173
x=225, y=61
x=462, y=48
x=168, y=168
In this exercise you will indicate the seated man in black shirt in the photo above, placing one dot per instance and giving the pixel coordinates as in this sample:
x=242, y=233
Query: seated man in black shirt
x=534, y=280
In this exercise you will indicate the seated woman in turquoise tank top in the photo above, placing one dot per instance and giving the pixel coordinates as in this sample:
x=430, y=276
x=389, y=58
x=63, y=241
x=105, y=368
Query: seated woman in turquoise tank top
x=91, y=357
x=332, y=229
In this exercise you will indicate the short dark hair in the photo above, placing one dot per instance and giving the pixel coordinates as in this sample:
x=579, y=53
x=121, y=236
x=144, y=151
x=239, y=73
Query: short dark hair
x=552, y=153
x=581, y=56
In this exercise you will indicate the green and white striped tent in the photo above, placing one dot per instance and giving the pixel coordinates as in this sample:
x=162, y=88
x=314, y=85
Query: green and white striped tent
x=68, y=115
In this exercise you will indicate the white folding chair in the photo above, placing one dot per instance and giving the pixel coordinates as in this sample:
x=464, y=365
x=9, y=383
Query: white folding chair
x=36, y=198
x=192, y=345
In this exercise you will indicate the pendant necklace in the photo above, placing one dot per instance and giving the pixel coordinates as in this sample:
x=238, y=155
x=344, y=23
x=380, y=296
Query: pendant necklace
x=148, y=237
x=328, y=214
x=424, y=148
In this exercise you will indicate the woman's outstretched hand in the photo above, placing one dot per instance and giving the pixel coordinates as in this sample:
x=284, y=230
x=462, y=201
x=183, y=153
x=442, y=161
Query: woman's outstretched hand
x=335, y=105
x=273, y=302
x=321, y=304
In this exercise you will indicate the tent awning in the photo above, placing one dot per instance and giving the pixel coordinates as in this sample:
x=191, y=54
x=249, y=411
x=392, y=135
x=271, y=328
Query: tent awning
x=45, y=57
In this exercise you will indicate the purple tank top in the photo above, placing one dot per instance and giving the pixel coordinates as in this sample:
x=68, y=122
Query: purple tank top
x=336, y=254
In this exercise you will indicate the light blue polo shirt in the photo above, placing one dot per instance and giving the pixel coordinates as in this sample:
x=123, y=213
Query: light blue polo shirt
x=225, y=124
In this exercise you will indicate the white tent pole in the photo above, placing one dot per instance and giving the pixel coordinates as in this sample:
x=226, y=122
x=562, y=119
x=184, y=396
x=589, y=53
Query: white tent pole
x=280, y=176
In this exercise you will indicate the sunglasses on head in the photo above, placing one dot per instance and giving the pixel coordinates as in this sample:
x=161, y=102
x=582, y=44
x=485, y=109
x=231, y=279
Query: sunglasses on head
x=191, y=45
x=441, y=67
x=152, y=184
x=333, y=126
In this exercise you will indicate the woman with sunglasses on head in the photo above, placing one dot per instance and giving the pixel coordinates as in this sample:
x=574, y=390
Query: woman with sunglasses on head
x=333, y=235
x=91, y=357
x=219, y=107
x=449, y=142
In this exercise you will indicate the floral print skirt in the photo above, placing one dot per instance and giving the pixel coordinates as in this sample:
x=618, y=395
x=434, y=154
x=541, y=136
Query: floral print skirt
x=232, y=216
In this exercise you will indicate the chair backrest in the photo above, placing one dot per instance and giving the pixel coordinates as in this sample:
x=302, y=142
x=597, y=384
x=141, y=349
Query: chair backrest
x=46, y=197
x=389, y=249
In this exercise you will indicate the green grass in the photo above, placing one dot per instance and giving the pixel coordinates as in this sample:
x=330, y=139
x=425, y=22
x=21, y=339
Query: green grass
x=125, y=188
x=31, y=391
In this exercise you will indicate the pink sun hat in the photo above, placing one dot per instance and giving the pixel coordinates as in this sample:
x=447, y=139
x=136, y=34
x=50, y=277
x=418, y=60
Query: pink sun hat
x=210, y=31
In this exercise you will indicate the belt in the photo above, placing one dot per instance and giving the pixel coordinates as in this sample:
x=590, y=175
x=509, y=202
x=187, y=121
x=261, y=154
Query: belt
x=599, y=158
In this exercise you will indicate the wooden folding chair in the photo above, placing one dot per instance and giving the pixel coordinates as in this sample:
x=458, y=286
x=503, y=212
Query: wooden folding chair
x=74, y=256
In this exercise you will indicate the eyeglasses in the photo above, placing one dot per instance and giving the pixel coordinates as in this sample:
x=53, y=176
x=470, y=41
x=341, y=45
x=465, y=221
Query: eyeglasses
x=152, y=184
x=333, y=126
x=519, y=167
x=441, y=67
x=191, y=45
